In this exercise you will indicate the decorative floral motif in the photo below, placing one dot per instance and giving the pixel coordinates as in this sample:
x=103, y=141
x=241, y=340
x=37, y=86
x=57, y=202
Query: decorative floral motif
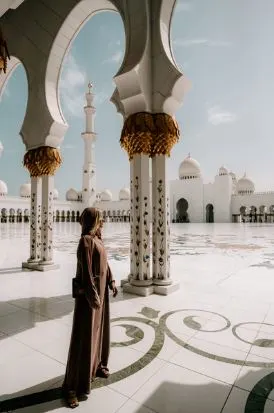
x=42, y=161
x=137, y=228
x=35, y=225
x=146, y=239
x=149, y=133
x=160, y=232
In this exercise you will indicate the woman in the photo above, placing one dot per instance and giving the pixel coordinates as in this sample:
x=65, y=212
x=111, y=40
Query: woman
x=90, y=338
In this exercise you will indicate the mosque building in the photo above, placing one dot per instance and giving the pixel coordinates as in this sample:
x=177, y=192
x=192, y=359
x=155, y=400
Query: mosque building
x=191, y=200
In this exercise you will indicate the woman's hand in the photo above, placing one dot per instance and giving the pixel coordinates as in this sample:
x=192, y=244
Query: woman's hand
x=114, y=289
x=96, y=304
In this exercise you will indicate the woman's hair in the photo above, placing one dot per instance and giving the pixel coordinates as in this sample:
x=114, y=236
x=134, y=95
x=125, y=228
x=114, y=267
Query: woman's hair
x=90, y=221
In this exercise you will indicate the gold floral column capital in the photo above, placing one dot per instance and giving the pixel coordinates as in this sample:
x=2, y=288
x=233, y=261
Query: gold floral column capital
x=137, y=134
x=4, y=53
x=166, y=134
x=44, y=160
x=149, y=133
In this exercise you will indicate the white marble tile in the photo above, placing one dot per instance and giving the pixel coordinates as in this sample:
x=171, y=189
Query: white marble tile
x=249, y=376
x=28, y=374
x=174, y=389
x=209, y=363
x=132, y=383
x=132, y=407
x=236, y=401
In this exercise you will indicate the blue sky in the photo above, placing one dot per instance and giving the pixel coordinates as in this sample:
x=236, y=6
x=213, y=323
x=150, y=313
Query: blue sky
x=223, y=47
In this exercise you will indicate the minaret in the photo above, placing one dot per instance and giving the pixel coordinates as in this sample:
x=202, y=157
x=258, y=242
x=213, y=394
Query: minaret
x=89, y=136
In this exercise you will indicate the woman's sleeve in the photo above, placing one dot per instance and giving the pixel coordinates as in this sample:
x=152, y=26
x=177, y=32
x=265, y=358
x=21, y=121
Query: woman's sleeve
x=110, y=278
x=89, y=287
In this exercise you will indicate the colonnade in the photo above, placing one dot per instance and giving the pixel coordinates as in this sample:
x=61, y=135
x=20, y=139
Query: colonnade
x=149, y=90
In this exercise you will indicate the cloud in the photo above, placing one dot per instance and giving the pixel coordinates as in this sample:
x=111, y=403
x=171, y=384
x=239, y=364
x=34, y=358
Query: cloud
x=68, y=146
x=100, y=97
x=216, y=116
x=200, y=42
x=183, y=6
x=72, y=81
x=115, y=58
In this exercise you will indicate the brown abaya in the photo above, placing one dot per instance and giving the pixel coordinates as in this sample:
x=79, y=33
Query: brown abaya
x=90, y=338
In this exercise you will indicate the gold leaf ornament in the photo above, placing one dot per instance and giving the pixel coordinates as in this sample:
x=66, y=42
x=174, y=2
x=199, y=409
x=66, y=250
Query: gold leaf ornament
x=149, y=133
x=4, y=53
x=44, y=160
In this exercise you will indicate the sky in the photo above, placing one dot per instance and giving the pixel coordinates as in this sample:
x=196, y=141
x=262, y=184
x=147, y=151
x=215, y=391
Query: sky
x=225, y=49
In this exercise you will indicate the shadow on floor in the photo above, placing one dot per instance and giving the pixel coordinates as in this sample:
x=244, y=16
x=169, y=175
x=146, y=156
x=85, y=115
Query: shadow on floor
x=169, y=397
x=13, y=270
x=47, y=307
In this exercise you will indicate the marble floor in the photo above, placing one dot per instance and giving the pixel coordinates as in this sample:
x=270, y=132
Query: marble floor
x=207, y=348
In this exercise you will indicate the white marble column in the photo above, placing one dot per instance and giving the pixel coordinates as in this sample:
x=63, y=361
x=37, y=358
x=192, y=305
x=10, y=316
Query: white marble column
x=46, y=262
x=35, y=223
x=140, y=281
x=161, y=228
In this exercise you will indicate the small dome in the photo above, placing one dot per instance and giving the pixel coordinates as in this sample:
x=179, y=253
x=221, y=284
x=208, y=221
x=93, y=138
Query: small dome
x=106, y=195
x=1, y=148
x=245, y=185
x=55, y=194
x=3, y=188
x=72, y=195
x=189, y=168
x=233, y=176
x=223, y=171
x=124, y=194
x=25, y=190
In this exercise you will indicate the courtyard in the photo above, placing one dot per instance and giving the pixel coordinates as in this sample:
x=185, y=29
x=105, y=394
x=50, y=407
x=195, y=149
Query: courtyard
x=207, y=348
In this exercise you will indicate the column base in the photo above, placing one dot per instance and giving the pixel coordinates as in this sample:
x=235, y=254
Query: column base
x=166, y=289
x=143, y=291
x=29, y=265
x=45, y=266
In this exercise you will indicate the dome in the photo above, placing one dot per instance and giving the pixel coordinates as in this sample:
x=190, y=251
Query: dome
x=233, y=176
x=72, y=195
x=223, y=171
x=3, y=188
x=124, y=194
x=245, y=185
x=189, y=168
x=106, y=195
x=55, y=194
x=25, y=190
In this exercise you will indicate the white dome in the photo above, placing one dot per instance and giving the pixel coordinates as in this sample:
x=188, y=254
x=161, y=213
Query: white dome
x=72, y=195
x=25, y=190
x=189, y=168
x=106, y=195
x=124, y=194
x=3, y=188
x=1, y=148
x=55, y=194
x=245, y=185
x=223, y=171
x=233, y=176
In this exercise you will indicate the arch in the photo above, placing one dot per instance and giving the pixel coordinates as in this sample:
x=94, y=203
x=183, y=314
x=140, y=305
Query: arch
x=71, y=26
x=271, y=209
x=262, y=209
x=243, y=210
x=210, y=213
x=182, y=208
x=4, y=212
